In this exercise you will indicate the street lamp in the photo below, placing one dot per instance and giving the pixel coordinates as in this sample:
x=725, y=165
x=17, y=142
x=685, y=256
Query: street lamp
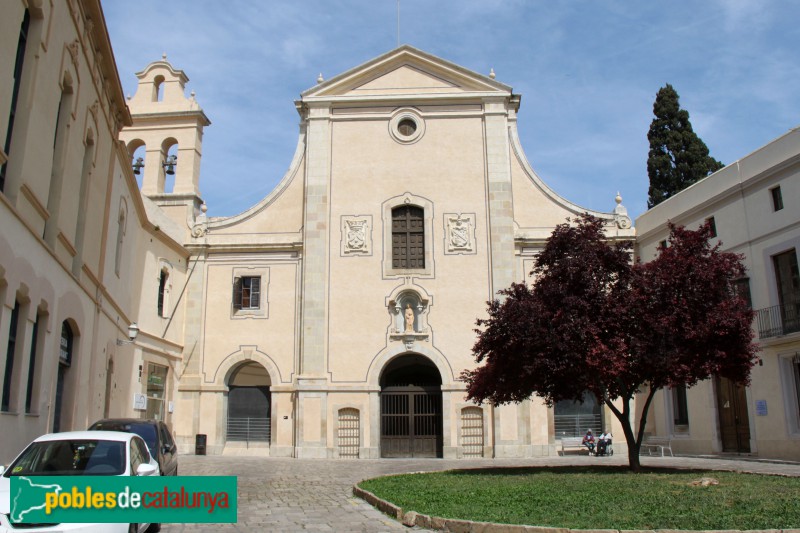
x=133, y=331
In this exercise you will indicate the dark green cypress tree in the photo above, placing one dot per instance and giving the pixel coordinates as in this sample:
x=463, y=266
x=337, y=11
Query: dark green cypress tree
x=677, y=157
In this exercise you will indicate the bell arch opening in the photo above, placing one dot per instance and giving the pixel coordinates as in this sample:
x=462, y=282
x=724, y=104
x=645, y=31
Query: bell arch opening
x=411, y=408
x=249, y=404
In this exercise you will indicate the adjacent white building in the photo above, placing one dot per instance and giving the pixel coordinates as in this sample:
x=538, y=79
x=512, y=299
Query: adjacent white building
x=754, y=206
x=80, y=248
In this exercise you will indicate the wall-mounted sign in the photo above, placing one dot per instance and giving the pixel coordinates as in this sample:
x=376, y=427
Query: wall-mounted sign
x=139, y=401
x=761, y=407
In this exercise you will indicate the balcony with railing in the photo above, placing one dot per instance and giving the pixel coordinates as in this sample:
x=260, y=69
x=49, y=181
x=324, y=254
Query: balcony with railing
x=778, y=320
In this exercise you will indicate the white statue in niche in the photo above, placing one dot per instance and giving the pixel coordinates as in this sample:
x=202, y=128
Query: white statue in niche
x=409, y=317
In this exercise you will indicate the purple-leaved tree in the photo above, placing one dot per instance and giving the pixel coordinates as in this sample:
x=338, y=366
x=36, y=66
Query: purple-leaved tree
x=596, y=321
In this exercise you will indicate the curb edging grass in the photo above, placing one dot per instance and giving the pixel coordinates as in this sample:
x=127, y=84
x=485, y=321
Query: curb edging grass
x=413, y=518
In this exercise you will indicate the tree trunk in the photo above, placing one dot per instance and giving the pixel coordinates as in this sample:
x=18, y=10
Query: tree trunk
x=633, y=454
x=634, y=441
x=630, y=438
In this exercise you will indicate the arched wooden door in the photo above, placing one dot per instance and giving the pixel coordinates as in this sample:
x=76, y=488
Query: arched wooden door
x=411, y=409
x=249, y=405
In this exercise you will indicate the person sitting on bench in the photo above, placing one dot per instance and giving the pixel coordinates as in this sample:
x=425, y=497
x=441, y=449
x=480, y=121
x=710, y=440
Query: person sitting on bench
x=588, y=441
x=603, y=441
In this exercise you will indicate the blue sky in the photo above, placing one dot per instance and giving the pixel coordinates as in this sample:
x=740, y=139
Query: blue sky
x=588, y=72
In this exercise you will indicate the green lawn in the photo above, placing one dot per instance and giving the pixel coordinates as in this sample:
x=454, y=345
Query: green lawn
x=598, y=498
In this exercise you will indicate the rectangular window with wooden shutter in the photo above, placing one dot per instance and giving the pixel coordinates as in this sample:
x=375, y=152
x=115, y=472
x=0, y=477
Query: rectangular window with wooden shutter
x=247, y=292
x=408, y=237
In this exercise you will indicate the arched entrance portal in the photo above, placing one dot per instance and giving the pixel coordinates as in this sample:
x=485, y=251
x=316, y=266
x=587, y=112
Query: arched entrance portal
x=411, y=408
x=249, y=404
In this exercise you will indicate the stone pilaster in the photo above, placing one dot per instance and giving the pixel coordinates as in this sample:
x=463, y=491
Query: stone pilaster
x=316, y=230
x=312, y=385
x=501, y=208
x=188, y=395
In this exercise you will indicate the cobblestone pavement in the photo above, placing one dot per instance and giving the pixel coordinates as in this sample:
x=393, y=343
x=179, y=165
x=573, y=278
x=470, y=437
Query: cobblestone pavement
x=316, y=495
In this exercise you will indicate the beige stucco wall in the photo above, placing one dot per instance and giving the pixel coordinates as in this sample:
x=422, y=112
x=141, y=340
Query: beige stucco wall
x=360, y=187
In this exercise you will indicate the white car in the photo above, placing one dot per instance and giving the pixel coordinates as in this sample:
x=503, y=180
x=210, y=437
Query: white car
x=78, y=453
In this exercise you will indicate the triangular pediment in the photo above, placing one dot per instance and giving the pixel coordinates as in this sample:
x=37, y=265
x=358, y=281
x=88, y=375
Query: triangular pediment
x=405, y=71
x=405, y=77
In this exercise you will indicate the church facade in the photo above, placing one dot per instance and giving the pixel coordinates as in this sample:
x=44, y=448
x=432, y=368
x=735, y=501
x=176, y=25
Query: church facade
x=333, y=318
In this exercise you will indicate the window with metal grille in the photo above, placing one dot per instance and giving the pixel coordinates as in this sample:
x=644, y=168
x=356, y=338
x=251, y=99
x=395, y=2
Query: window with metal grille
x=742, y=288
x=787, y=278
x=162, y=286
x=472, y=431
x=120, y=237
x=713, y=224
x=408, y=237
x=796, y=373
x=10, y=353
x=64, y=362
x=680, y=407
x=22, y=44
x=247, y=292
x=29, y=393
x=777, y=198
x=349, y=435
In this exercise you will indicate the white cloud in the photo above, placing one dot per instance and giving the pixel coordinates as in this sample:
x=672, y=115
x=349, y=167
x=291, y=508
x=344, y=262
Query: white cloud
x=744, y=15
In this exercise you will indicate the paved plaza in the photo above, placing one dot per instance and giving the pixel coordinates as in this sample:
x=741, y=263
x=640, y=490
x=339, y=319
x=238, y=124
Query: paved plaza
x=316, y=495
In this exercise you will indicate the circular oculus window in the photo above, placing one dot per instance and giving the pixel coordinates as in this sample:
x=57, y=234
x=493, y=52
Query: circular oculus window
x=406, y=127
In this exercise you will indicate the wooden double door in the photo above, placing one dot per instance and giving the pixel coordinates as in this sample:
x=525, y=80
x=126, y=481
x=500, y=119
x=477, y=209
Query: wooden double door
x=411, y=422
x=734, y=422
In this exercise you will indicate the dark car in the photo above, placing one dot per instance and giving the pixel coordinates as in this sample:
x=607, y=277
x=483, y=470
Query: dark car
x=156, y=435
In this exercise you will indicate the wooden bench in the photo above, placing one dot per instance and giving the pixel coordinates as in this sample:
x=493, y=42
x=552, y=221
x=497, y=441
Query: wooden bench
x=657, y=443
x=572, y=442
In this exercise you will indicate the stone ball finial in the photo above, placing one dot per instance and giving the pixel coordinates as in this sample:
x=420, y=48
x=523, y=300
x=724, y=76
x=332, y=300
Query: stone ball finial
x=491, y=73
x=128, y=96
x=204, y=207
x=164, y=56
x=618, y=198
x=192, y=94
x=320, y=79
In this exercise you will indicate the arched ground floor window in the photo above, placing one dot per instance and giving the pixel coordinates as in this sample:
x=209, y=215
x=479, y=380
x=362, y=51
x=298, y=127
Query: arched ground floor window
x=572, y=419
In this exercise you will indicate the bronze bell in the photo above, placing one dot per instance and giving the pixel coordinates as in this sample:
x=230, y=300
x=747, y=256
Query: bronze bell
x=169, y=164
x=137, y=166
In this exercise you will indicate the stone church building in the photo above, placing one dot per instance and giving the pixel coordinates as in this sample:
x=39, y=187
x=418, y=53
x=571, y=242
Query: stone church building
x=334, y=317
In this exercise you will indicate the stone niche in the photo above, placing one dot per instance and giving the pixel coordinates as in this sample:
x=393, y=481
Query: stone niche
x=408, y=311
